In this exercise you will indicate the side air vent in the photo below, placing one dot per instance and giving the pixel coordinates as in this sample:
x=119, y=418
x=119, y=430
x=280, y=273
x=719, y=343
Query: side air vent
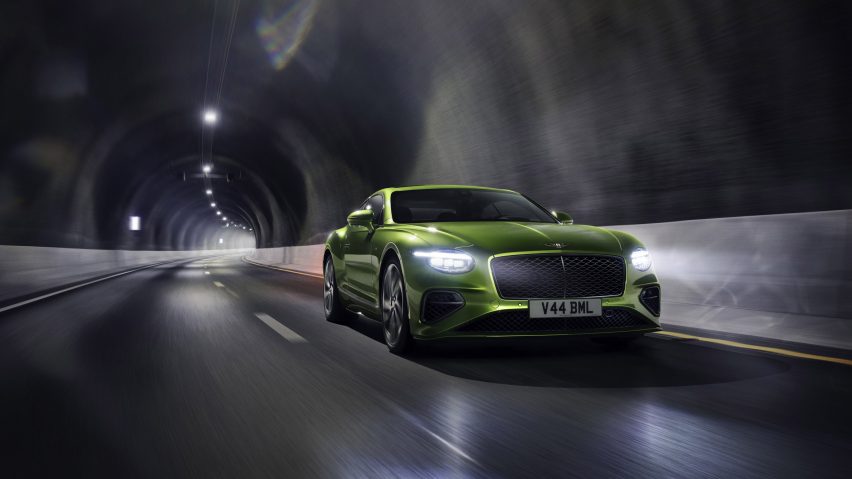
x=437, y=305
x=650, y=298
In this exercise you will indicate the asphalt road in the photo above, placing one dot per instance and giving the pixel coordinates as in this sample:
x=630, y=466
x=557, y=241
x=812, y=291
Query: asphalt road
x=186, y=370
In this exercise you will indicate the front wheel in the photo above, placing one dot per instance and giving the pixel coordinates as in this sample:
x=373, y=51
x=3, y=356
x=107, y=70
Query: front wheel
x=395, y=309
x=334, y=310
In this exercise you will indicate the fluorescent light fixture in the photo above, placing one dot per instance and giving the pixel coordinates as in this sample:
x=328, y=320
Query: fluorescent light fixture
x=210, y=116
x=135, y=223
x=218, y=213
x=209, y=192
x=206, y=168
x=212, y=205
x=224, y=218
x=221, y=240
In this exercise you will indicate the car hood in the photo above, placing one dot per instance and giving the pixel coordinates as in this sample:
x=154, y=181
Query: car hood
x=505, y=236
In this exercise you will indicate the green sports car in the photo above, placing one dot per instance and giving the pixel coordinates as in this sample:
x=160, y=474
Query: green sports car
x=435, y=262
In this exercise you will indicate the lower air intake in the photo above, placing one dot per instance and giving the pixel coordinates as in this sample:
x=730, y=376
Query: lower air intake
x=437, y=305
x=518, y=321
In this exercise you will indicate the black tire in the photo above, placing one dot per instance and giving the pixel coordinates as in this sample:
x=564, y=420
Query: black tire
x=617, y=342
x=394, y=305
x=335, y=312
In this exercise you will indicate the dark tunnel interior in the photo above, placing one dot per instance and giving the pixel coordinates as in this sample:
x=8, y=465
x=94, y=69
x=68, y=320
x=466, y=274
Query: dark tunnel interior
x=617, y=112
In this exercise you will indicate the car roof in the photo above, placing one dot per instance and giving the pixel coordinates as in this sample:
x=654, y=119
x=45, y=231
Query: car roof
x=437, y=187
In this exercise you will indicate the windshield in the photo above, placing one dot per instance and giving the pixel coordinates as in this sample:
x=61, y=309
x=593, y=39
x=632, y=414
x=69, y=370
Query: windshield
x=457, y=204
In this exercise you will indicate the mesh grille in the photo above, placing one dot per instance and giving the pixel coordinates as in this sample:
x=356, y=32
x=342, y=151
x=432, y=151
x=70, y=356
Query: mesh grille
x=440, y=304
x=558, y=276
x=518, y=321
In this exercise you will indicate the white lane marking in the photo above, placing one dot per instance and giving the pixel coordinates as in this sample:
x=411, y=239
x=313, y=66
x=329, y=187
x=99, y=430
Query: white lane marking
x=218, y=284
x=279, y=328
x=72, y=288
x=232, y=293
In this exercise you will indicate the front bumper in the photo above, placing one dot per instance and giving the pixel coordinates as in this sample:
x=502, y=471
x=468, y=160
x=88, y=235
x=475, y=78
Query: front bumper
x=485, y=314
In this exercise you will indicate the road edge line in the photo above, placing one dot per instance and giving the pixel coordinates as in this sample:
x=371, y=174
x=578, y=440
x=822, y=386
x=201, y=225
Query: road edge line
x=754, y=347
x=88, y=283
x=277, y=268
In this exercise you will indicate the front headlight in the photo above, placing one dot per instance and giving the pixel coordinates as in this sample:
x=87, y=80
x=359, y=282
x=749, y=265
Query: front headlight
x=447, y=261
x=641, y=259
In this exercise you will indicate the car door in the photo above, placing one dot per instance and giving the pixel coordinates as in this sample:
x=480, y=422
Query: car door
x=360, y=264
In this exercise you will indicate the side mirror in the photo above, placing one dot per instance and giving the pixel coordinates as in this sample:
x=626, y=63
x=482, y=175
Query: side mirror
x=360, y=218
x=563, y=217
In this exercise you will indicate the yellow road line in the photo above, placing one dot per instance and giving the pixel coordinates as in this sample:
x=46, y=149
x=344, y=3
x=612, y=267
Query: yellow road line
x=766, y=349
x=286, y=270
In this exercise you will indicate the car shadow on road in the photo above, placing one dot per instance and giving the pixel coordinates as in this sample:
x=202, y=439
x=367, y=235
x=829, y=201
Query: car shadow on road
x=367, y=327
x=649, y=362
x=577, y=363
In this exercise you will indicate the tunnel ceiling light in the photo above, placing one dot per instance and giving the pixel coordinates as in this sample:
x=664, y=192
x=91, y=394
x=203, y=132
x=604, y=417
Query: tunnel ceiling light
x=209, y=192
x=210, y=116
x=221, y=240
x=135, y=223
x=212, y=205
x=224, y=218
x=206, y=168
x=218, y=213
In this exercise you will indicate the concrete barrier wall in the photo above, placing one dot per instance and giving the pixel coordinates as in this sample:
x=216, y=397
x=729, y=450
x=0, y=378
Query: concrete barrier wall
x=29, y=269
x=794, y=263
x=307, y=259
x=785, y=277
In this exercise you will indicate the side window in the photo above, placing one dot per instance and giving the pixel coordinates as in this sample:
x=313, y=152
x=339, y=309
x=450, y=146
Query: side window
x=377, y=205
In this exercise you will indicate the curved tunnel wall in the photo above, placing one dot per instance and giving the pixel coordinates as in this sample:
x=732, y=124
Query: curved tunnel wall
x=617, y=112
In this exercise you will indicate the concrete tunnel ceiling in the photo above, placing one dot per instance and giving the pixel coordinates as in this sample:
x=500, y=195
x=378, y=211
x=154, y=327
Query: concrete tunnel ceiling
x=590, y=107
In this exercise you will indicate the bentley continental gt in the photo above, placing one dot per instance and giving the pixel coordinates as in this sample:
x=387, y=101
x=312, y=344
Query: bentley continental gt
x=441, y=261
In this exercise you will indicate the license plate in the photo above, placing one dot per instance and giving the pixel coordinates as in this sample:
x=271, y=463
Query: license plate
x=564, y=308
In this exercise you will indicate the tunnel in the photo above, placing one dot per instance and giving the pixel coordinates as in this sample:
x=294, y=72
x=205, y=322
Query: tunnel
x=184, y=189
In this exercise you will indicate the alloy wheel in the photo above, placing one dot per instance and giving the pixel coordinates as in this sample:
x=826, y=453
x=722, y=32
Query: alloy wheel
x=392, y=305
x=328, y=287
